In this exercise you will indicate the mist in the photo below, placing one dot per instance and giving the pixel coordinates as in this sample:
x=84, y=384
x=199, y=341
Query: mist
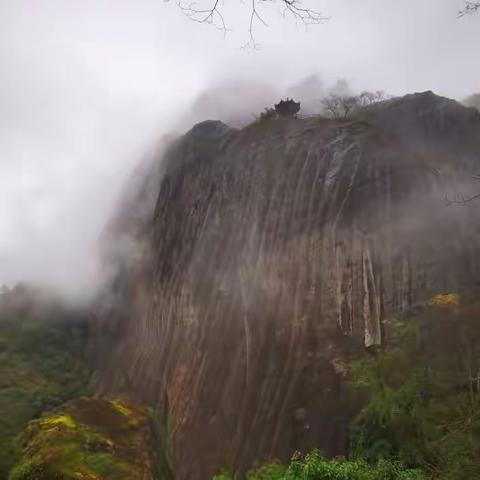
x=88, y=90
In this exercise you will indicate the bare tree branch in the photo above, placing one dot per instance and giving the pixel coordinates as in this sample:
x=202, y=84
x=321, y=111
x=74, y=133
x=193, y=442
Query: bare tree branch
x=342, y=106
x=306, y=15
x=471, y=6
x=213, y=14
x=254, y=15
x=207, y=15
x=461, y=199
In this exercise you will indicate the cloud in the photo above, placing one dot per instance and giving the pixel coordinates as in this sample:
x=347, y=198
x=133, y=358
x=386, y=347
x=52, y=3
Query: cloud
x=87, y=88
x=235, y=102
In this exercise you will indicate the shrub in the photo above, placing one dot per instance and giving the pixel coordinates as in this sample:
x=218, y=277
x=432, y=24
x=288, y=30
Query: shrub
x=314, y=466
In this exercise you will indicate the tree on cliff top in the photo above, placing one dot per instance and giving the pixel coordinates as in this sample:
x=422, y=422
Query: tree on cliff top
x=342, y=106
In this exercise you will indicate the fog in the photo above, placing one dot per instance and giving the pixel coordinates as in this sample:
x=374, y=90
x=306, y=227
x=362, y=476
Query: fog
x=88, y=88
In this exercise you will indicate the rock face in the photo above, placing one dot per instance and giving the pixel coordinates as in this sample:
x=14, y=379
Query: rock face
x=251, y=263
x=88, y=439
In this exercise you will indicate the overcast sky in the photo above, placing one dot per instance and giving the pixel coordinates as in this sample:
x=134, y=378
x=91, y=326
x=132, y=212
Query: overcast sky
x=87, y=87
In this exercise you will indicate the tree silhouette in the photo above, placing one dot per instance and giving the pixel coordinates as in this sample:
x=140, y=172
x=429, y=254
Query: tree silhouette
x=213, y=13
x=471, y=6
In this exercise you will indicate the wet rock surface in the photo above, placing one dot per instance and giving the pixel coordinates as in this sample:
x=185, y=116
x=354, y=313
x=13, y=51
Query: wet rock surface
x=266, y=256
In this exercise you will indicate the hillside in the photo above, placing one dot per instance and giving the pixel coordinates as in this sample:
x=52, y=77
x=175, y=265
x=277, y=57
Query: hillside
x=43, y=361
x=252, y=265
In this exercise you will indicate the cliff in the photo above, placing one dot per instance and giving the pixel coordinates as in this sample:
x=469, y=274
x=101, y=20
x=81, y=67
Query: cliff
x=251, y=264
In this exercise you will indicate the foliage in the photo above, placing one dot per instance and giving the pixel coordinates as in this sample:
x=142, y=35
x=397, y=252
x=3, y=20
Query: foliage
x=314, y=466
x=42, y=345
x=268, y=114
x=270, y=471
x=421, y=396
x=86, y=439
x=445, y=299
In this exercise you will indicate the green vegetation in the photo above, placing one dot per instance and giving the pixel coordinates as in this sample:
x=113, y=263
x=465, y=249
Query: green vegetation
x=316, y=467
x=421, y=393
x=42, y=349
x=86, y=439
x=357, y=127
x=418, y=398
x=420, y=403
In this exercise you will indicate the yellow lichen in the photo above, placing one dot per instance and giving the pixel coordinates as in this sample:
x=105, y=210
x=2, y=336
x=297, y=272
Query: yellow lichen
x=75, y=442
x=65, y=420
x=445, y=300
x=122, y=408
x=86, y=476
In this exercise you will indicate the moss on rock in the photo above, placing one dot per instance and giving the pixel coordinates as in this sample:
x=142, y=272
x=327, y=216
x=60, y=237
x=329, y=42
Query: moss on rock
x=87, y=439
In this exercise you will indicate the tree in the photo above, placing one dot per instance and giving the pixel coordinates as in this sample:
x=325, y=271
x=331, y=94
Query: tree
x=268, y=114
x=342, y=106
x=369, y=98
x=213, y=13
x=333, y=106
x=471, y=6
